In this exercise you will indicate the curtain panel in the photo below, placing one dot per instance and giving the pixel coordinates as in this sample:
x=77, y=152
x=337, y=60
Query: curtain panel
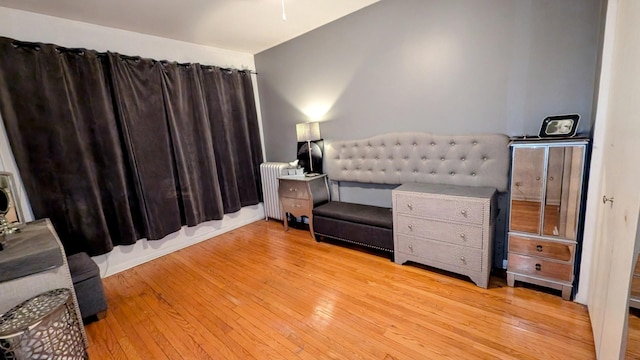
x=114, y=148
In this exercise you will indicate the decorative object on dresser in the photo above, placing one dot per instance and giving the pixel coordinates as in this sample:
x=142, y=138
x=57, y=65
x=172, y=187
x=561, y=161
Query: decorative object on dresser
x=11, y=217
x=559, y=126
x=547, y=181
x=446, y=226
x=299, y=194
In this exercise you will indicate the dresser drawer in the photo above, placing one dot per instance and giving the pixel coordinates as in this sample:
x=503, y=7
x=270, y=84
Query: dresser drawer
x=450, y=254
x=451, y=209
x=459, y=234
x=541, y=248
x=295, y=206
x=533, y=266
x=293, y=189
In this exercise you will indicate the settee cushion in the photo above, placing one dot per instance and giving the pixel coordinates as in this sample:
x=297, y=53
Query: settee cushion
x=356, y=213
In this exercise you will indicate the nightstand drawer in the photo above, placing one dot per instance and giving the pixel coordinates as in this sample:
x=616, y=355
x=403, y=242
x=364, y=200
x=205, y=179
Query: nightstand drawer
x=295, y=206
x=459, y=234
x=449, y=254
x=534, y=266
x=541, y=248
x=293, y=189
x=443, y=209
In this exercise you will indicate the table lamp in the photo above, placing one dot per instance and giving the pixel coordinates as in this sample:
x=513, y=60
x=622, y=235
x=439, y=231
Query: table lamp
x=308, y=132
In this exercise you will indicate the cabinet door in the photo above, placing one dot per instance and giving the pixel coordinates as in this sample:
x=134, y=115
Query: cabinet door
x=563, y=189
x=527, y=189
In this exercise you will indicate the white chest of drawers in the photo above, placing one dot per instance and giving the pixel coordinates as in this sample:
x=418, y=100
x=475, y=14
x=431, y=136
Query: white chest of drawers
x=445, y=226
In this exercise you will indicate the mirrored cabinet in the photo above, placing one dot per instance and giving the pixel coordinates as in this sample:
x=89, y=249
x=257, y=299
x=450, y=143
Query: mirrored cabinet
x=547, y=179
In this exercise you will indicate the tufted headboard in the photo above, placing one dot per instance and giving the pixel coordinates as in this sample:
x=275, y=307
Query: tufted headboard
x=398, y=158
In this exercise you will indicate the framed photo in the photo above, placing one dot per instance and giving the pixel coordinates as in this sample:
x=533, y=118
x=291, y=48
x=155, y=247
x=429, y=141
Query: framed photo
x=560, y=126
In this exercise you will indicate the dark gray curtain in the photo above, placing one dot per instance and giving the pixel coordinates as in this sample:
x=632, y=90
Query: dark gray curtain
x=115, y=148
x=58, y=113
x=234, y=124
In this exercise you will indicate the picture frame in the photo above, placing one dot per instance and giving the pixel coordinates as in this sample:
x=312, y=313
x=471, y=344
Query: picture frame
x=559, y=126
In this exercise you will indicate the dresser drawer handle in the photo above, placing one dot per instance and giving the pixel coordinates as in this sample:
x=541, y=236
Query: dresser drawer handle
x=539, y=248
x=464, y=213
x=293, y=189
x=538, y=267
x=410, y=226
x=464, y=261
x=410, y=206
x=463, y=237
x=411, y=247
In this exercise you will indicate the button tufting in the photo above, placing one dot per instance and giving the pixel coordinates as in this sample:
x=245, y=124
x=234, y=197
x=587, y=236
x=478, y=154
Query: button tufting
x=473, y=174
x=462, y=158
x=406, y=158
x=433, y=173
x=484, y=158
x=453, y=143
x=414, y=144
x=424, y=158
x=433, y=144
x=475, y=142
x=415, y=171
x=390, y=157
x=442, y=158
x=382, y=145
x=452, y=173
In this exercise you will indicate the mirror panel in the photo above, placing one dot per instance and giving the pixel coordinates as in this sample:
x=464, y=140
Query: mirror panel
x=14, y=214
x=562, y=198
x=526, y=189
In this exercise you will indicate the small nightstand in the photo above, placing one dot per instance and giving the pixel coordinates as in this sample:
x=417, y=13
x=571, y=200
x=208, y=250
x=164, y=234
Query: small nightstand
x=299, y=194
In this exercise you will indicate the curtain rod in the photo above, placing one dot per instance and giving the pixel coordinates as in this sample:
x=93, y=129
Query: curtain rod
x=80, y=51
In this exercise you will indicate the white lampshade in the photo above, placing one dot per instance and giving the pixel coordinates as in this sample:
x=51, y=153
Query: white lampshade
x=308, y=131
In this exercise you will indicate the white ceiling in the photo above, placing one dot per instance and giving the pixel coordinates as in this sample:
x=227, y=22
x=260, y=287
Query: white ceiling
x=248, y=26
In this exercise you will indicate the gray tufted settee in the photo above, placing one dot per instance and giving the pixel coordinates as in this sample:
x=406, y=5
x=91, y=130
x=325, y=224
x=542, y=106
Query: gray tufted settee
x=398, y=158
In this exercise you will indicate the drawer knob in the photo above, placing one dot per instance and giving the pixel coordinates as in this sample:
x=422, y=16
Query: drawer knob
x=411, y=247
x=463, y=237
x=293, y=189
x=410, y=206
x=464, y=261
x=539, y=248
x=538, y=267
x=464, y=213
x=410, y=226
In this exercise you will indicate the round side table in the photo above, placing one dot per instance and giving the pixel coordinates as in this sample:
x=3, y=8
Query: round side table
x=43, y=327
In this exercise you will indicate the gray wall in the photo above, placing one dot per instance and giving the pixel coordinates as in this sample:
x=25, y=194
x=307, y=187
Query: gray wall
x=444, y=66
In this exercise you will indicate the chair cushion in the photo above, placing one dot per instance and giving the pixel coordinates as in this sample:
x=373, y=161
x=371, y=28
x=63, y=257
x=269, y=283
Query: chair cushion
x=357, y=213
x=82, y=267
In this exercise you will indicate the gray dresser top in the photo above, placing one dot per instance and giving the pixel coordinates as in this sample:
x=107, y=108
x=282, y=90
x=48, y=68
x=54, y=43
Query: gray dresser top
x=455, y=190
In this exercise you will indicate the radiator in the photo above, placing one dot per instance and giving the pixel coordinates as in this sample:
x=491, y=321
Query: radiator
x=270, y=171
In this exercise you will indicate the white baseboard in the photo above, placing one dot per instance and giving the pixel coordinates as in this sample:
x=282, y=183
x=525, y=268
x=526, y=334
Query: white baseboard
x=125, y=257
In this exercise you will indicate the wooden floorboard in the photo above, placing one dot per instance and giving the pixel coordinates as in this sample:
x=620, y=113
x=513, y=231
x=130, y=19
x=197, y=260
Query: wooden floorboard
x=260, y=293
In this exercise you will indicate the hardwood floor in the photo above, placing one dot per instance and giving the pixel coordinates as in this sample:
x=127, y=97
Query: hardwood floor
x=260, y=293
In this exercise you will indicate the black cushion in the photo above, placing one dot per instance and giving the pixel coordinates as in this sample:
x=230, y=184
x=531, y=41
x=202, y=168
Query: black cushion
x=82, y=267
x=357, y=213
